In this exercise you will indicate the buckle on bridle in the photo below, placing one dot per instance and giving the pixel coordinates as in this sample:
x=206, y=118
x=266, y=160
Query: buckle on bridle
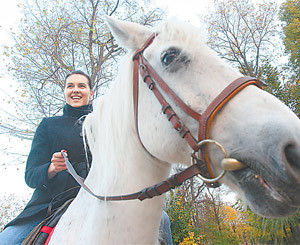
x=194, y=159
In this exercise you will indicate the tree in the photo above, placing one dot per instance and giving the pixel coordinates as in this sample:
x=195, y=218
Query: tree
x=212, y=219
x=54, y=38
x=242, y=33
x=207, y=219
x=287, y=92
x=248, y=37
x=271, y=76
x=181, y=207
x=290, y=15
x=181, y=213
x=293, y=89
x=232, y=220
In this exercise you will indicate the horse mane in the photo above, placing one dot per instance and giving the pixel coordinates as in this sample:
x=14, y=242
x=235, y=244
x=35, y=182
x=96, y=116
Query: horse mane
x=112, y=115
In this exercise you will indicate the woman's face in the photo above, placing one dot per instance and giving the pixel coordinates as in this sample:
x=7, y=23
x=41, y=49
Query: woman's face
x=77, y=91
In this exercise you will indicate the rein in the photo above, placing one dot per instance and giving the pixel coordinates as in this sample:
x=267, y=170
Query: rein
x=155, y=190
x=199, y=157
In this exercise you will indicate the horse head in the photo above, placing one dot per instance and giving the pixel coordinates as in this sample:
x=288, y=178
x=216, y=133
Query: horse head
x=253, y=126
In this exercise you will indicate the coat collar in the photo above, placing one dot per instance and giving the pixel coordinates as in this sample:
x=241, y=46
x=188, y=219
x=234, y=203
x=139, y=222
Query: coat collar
x=76, y=111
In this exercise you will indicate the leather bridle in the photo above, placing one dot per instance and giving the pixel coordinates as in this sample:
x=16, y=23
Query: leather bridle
x=199, y=157
x=155, y=83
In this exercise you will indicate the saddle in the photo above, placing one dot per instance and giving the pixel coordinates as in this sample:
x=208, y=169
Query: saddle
x=41, y=234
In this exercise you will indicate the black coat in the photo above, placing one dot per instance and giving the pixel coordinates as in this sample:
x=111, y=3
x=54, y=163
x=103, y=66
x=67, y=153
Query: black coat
x=53, y=135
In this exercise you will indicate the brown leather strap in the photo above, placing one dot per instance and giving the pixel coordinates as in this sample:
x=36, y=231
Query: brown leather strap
x=162, y=84
x=155, y=190
x=135, y=101
x=136, y=64
x=216, y=105
x=166, y=108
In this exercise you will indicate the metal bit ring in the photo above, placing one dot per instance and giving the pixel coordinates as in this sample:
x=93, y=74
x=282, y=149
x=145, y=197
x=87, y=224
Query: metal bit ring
x=221, y=175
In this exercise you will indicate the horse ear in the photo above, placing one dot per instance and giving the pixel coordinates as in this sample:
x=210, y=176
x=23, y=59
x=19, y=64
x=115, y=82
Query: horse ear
x=128, y=35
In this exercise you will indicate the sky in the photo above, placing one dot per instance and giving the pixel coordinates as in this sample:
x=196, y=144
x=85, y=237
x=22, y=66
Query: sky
x=186, y=10
x=12, y=174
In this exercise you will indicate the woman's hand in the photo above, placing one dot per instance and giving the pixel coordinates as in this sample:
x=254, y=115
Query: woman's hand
x=57, y=165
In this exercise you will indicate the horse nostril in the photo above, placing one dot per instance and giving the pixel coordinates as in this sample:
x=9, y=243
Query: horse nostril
x=292, y=154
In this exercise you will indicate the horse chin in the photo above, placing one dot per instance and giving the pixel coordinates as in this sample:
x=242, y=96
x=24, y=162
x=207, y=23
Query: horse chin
x=262, y=197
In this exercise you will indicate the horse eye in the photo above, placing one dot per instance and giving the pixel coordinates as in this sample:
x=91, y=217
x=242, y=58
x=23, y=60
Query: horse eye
x=169, y=56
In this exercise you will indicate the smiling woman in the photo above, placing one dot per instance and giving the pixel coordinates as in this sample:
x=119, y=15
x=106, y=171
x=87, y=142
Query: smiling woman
x=45, y=164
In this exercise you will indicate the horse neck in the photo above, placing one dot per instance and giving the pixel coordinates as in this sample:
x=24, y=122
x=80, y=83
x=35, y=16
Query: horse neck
x=125, y=167
x=128, y=222
x=121, y=166
x=118, y=155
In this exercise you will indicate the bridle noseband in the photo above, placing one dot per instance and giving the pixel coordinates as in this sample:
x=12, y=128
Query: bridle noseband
x=200, y=161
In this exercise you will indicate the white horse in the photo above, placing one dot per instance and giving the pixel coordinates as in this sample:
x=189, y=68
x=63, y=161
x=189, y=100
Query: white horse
x=254, y=127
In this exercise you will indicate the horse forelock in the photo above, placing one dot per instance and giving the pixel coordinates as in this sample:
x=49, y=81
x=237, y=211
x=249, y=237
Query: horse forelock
x=184, y=34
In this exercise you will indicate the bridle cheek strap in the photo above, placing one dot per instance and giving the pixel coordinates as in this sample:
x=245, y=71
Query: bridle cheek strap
x=141, y=66
x=145, y=70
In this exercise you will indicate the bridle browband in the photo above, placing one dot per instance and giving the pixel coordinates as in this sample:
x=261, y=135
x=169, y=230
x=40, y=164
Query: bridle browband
x=199, y=157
